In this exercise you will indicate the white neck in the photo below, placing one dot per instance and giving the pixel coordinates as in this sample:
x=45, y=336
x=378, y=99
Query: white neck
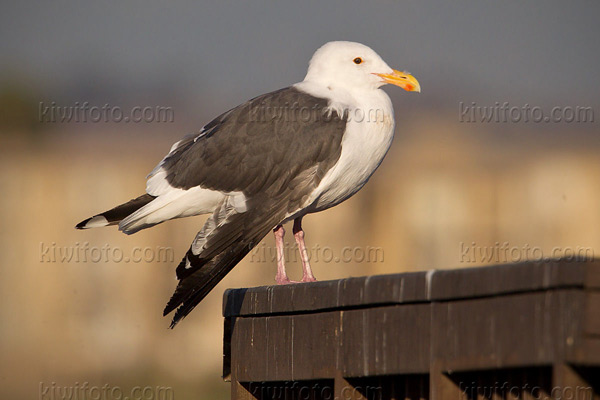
x=374, y=101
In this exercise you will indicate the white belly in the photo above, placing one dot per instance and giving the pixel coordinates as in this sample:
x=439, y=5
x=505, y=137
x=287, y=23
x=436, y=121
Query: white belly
x=367, y=139
x=363, y=148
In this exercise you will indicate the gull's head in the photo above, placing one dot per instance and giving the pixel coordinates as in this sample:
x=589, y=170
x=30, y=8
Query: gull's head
x=353, y=65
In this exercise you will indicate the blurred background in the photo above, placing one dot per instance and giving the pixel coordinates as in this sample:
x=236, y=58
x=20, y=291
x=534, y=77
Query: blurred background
x=454, y=190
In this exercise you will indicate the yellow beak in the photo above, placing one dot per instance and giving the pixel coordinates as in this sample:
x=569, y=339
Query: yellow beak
x=403, y=79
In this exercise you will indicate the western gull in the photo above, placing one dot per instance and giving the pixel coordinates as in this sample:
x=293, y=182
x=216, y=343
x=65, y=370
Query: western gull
x=270, y=160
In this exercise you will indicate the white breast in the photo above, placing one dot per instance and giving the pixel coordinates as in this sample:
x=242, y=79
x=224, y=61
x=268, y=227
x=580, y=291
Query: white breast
x=367, y=139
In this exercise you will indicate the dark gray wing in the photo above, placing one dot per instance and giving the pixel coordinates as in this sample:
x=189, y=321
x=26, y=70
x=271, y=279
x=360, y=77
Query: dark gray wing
x=275, y=149
x=260, y=143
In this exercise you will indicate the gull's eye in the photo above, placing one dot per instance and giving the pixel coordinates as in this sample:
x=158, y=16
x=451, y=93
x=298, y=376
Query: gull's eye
x=358, y=60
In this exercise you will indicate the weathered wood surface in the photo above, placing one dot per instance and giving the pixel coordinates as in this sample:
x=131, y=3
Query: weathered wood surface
x=431, y=334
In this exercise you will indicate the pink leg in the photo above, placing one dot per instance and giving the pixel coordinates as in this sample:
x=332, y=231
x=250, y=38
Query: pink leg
x=307, y=275
x=281, y=278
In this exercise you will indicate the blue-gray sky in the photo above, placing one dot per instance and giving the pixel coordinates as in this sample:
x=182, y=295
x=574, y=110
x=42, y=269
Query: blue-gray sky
x=540, y=52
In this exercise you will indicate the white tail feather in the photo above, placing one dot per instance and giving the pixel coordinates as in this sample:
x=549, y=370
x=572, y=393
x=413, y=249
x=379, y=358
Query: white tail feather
x=177, y=203
x=96, y=222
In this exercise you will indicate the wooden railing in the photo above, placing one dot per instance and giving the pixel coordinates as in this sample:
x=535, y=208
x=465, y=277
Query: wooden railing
x=519, y=331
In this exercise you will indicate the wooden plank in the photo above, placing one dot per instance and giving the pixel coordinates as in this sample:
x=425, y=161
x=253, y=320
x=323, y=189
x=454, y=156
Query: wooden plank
x=592, y=313
x=508, y=331
x=380, y=341
x=248, y=350
x=227, y=326
x=410, y=288
x=326, y=295
x=505, y=279
x=416, y=333
x=315, y=344
x=298, y=347
x=592, y=275
x=385, y=341
x=587, y=352
x=279, y=343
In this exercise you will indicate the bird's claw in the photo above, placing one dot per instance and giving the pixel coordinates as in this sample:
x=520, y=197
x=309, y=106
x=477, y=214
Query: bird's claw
x=284, y=280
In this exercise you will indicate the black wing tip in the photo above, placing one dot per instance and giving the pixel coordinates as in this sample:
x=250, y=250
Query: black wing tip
x=182, y=305
x=174, y=322
x=83, y=223
x=169, y=308
x=176, y=318
x=184, y=310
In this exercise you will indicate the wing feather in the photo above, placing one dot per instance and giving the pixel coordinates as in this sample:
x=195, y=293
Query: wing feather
x=274, y=163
